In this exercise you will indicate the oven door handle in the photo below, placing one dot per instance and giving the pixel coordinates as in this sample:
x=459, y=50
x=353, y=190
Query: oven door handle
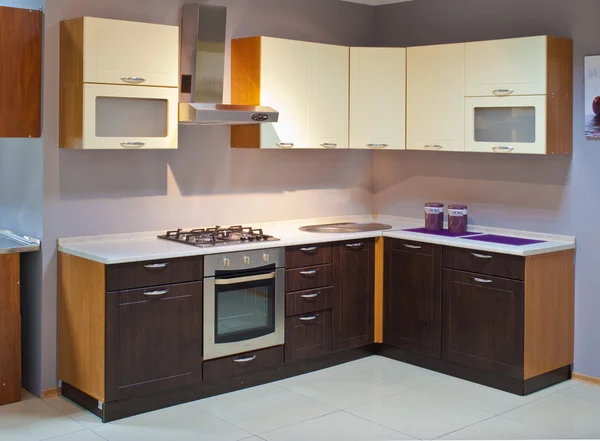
x=245, y=279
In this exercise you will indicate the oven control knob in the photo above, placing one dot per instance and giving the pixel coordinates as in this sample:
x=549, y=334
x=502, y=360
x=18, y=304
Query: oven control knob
x=267, y=257
x=246, y=260
x=226, y=262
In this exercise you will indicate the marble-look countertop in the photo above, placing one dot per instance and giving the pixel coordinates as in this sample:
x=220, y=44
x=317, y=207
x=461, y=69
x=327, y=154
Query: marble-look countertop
x=136, y=247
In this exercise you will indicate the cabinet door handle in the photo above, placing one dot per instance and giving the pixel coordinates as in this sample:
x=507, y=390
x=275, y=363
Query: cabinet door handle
x=481, y=256
x=245, y=360
x=377, y=146
x=433, y=147
x=153, y=266
x=503, y=149
x=162, y=292
x=309, y=249
x=285, y=145
x=309, y=273
x=133, y=80
x=477, y=279
x=354, y=245
x=411, y=247
x=133, y=144
x=503, y=92
x=309, y=319
x=310, y=296
x=329, y=145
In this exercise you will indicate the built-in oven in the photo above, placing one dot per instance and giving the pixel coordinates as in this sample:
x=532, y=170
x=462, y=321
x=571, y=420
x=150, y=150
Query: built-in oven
x=244, y=298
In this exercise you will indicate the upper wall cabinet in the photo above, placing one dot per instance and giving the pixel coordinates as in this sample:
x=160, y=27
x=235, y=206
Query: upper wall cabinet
x=436, y=98
x=377, y=98
x=307, y=83
x=118, y=84
x=20, y=73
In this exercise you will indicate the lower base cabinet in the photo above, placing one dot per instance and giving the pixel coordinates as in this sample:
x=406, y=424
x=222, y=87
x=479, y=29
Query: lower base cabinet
x=242, y=364
x=307, y=335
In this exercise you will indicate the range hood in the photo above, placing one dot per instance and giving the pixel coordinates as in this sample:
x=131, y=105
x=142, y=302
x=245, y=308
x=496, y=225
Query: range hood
x=202, y=72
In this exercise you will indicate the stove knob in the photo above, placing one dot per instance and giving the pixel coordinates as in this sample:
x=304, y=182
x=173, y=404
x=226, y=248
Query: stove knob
x=226, y=262
x=246, y=260
x=267, y=257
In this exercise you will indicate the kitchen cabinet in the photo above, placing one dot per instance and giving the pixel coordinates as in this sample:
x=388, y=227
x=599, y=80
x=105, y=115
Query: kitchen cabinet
x=307, y=83
x=413, y=297
x=10, y=329
x=377, y=98
x=308, y=335
x=435, y=98
x=20, y=73
x=118, y=85
x=353, y=304
x=242, y=364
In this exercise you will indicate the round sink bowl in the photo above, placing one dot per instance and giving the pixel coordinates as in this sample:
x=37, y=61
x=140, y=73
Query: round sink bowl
x=345, y=227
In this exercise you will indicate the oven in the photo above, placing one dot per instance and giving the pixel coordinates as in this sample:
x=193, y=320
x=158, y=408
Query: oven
x=244, y=299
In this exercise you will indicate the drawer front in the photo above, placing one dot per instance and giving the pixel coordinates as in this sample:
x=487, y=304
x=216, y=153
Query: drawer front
x=308, y=301
x=308, y=278
x=307, y=335
x=482, y=262
x=242, y=364
x=308, y=255
x=153, y=273
x=410, y=246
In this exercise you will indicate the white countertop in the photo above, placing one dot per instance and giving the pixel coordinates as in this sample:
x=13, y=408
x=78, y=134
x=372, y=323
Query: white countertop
x=123, y=248
x=11, y=243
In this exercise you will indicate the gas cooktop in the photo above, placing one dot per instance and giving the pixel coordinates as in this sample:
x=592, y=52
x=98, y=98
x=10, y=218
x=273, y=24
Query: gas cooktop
x=210, y=237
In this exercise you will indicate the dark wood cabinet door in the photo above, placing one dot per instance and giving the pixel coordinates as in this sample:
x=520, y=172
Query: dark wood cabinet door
x=483, y=322
x=154, y=339
x=413, y=297
x=307, y=335
x=353, y=313
x=20, y=73
x=235, y=366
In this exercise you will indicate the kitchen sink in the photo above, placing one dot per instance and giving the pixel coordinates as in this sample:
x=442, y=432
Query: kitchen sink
x=345, y=227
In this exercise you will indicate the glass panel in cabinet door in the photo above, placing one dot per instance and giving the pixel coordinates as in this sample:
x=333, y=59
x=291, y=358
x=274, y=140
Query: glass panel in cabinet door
x=505, y=124
x=131, y=117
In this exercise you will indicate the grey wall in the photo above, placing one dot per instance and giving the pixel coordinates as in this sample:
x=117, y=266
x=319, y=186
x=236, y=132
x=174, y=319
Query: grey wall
x=556, y=195
x=204, y=182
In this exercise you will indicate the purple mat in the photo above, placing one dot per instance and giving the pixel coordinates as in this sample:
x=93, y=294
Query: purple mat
x=444, y=233
x=506, y=240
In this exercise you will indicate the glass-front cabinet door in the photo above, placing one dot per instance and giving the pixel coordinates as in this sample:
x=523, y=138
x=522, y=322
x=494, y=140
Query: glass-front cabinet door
x=515, y=124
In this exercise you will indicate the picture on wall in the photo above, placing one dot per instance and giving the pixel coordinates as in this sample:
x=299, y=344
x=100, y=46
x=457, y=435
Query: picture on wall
x=592, y=97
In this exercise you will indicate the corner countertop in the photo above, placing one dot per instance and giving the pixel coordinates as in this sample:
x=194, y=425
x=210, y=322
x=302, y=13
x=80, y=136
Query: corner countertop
x=11, y=243
x=137, y=247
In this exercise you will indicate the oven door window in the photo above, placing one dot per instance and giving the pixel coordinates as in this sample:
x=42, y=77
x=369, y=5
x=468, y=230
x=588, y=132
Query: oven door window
x=244, y=306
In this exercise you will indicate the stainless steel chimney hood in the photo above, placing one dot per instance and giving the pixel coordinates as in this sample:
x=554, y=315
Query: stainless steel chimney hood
x=202, y=72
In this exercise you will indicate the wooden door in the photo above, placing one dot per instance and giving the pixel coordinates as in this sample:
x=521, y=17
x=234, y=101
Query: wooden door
x=413, y=297
x=307, y=335
x=435, y=98
x=377, y=98
x=20, y=73
x=10, y=329
x=483, y=322
x=353, y=267
x=154, y=339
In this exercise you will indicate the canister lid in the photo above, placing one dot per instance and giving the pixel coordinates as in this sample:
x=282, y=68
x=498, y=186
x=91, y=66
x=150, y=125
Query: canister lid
x=457, y=207
x=434, y=204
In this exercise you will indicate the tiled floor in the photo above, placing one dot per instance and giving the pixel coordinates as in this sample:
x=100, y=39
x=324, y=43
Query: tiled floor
x=370, y=399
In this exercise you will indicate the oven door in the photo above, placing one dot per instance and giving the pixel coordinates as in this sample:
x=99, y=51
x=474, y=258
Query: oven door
x=243, y=311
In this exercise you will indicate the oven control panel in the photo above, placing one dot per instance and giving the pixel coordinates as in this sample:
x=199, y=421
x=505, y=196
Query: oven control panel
x=245, y=260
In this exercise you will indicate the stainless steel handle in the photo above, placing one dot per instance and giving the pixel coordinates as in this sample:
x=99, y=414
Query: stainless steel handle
x=309, y=249
x=329, y=145
x=310, y=296
x=481, y=256
x=477, y=279
x=354, y=245
x=245, y=360
x=156, y=265
x=412, y=247
x=309, y=273
x=133, y=144
x=503, y=149
x=433, y=147
x=309, y=319
x=157, y=293
x=377, y=146
x=244, y=279
x=133, y=80
x=503, y=92
x=285, y=145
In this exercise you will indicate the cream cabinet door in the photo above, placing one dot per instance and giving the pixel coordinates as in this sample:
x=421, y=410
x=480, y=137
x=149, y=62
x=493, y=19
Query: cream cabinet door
x=284, y=83
x=435, y=97
x=125, y=117
x=327, y=96
x=378, y=98
x=125, y=52
x=516, y=66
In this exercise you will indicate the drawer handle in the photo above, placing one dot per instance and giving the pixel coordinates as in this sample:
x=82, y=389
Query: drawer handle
x=309, y=319
x=154, y=266
x=377, y=146
x=162, y=292
x=136, y=144
x=411, y=247
x=133, y=80
x=481, y=256
x=309, y=249
x=310, y=296
x=328, y=145
x=309, y=273
x=477, y=279
x=285, y=145
x=433, y=147
x=503, y=92
x=354, y=245
x=503, y=149
x=245, y=360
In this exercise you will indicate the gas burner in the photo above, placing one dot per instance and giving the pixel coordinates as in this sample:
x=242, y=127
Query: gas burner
x=217, y=235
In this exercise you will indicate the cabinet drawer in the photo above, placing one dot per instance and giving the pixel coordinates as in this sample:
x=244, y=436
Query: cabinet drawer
x=410, y=246
x=308, y=278
x=307, y=255
x=242, y=364
x=307, y=335
x=308, y=301
x=500, y=265
x=153, y=273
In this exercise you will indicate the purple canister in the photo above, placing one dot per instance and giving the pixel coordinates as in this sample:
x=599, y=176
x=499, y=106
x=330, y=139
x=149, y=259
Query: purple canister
x=434, y=216
x=457, y=219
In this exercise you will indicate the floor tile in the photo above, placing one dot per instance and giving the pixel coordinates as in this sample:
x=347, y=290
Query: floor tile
x=341, y=388
x=179, y=423
x=339, y=426
x=561, y=413
x=75, y=412
x=420, y=414
x=84, y=435
x=587, y=392
x=502, y=428
x=264, y=408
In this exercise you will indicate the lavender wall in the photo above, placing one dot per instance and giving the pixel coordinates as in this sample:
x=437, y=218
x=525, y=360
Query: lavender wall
x=204, y=182
x=549, y=194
